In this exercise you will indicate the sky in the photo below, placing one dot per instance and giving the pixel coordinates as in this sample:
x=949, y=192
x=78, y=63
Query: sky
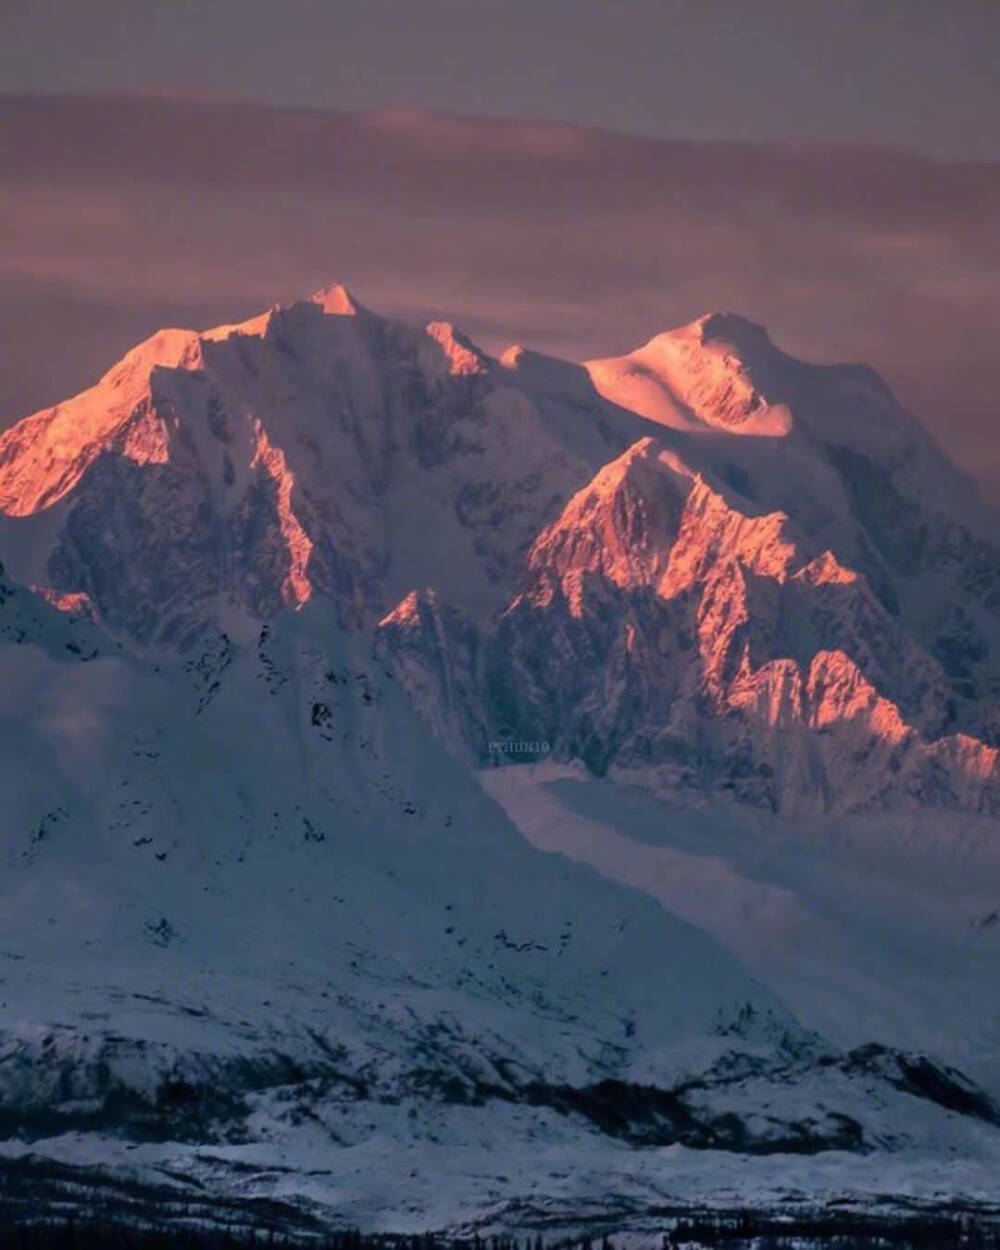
x=917, y=73
x=831, y=170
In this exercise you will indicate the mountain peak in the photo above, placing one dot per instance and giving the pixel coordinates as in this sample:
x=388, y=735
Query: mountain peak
x=730, y=327
x=730, y=332
x=336, y=300
x=546, y=374
x=461, y=355
x=411, y=607
x=720, y=371
x=169, y=348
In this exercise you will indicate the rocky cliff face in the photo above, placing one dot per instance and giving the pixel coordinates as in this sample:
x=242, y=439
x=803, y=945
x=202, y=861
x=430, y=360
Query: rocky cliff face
x=317, y=449
x=665, y=626
x=705, y=563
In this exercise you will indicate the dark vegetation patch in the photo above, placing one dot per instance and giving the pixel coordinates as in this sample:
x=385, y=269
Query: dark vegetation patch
x=734, y=1230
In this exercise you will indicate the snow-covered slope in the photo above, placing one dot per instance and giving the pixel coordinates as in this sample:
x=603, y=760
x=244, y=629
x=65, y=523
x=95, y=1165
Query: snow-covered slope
x=319, y=448
x=254, y=913
x=831, y=447
x=785, y=593
x=723, y=649
x=273, y=590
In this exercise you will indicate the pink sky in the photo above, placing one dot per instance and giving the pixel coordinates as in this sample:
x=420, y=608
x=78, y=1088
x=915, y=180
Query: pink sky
x=120, y=215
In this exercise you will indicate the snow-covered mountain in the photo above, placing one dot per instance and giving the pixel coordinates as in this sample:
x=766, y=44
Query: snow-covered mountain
x=273, y=592
x=318, y=449
x=767, y=567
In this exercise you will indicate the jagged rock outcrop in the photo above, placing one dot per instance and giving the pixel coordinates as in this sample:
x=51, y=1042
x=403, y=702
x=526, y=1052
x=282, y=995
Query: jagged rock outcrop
x=665, y=626
x=318, y=449
x=438, y=656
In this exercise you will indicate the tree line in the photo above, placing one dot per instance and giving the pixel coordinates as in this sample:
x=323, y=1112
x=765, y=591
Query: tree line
x=742, y=1230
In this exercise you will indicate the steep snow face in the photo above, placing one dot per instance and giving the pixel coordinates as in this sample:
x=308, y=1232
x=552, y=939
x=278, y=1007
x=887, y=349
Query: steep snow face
x=45, y=456
x=698, y=377
x=723, y=372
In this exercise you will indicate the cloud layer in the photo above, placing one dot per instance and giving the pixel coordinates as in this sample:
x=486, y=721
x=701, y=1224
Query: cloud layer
x=121, y=215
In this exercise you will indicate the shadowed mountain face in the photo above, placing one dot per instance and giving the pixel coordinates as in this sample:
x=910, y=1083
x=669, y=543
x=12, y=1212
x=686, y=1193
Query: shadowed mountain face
x=272, y=591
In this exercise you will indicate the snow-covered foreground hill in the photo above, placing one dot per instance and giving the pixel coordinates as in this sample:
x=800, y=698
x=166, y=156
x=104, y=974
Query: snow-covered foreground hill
x=264, y=936
x=866, y=927
x=277, y=591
